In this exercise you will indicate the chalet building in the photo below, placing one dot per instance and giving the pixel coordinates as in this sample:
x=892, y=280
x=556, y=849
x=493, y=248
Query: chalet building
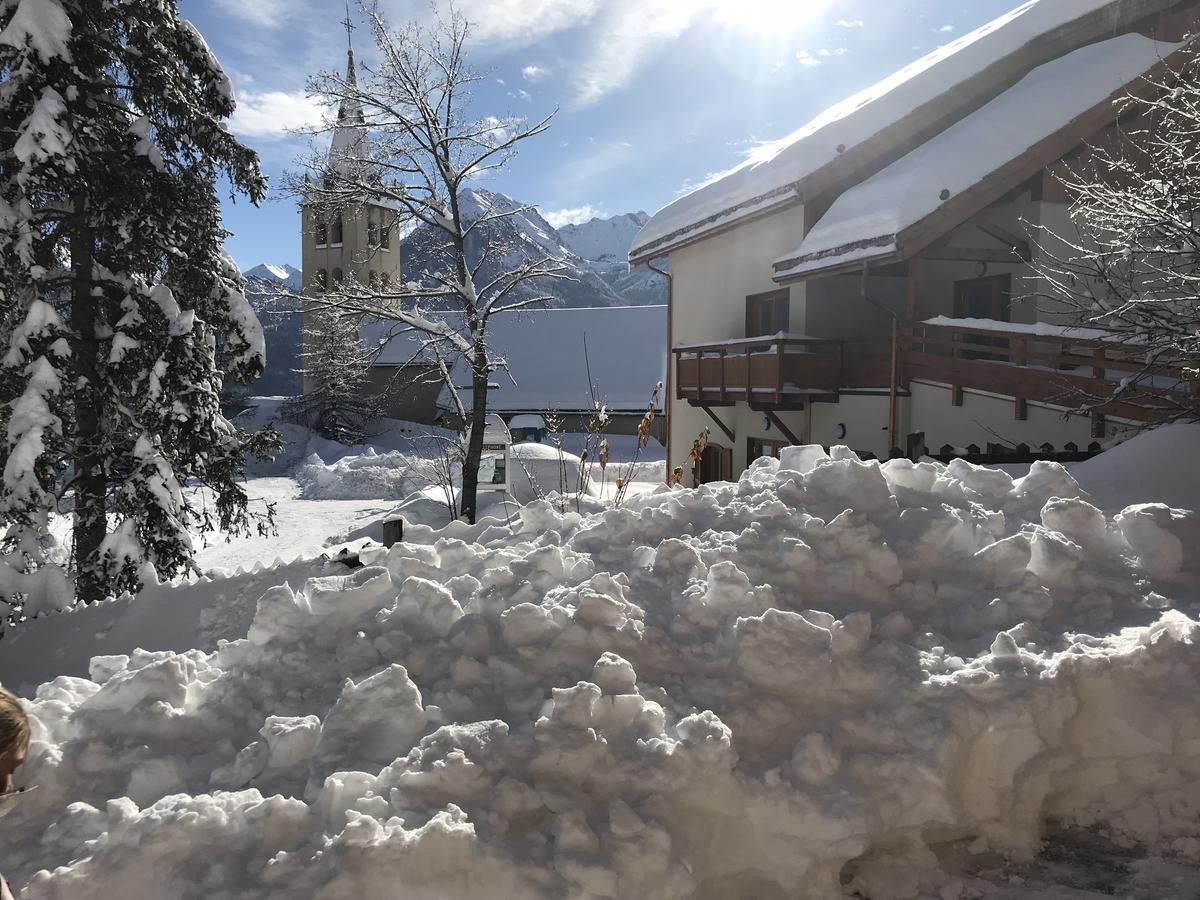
x=856, y=282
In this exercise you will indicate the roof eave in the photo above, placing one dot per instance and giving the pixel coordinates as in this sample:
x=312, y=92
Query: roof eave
x=991, y=80
x=926, y=231
x=665, y=246
x=838, y=266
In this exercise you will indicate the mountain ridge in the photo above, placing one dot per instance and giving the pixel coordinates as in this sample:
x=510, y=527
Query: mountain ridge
x=593, y=254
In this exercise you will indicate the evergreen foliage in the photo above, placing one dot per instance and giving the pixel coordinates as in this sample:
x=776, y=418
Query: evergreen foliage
x=121, y=313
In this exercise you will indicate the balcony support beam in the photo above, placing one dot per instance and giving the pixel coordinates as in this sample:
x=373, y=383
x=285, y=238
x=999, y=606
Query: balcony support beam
x=725, y=428
x=783, y=429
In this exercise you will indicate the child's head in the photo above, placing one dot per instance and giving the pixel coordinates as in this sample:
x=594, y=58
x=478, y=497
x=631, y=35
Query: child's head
x=14, y=738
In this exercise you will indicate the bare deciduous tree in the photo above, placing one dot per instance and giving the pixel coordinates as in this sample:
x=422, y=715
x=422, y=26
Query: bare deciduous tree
x=1133, y=264
x=407, y=142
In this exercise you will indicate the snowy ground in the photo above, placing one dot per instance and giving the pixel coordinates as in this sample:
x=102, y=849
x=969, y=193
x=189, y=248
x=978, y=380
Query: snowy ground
x=829, y=679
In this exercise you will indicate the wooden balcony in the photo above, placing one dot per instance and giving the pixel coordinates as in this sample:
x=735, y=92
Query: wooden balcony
x=1079, y=368
x=778, y=372
x=1072, y=369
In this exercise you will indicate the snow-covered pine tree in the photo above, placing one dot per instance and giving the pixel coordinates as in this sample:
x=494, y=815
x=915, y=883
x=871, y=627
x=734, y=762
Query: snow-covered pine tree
x=122, y=313
x=337, y=401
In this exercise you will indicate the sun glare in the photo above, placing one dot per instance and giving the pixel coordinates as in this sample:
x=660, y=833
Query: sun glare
x=766, y=17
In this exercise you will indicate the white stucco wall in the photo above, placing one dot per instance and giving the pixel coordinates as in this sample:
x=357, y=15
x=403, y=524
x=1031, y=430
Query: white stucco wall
x=866, y=419
x=960, y=426
x=710, y=282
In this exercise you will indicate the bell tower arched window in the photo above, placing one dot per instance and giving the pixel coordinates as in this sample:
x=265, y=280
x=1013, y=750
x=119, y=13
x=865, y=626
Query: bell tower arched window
x=335, y=233
x=320, y=281
x=322, y=234
x=337, y=278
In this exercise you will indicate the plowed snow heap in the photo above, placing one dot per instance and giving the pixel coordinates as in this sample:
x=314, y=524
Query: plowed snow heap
x=790, y=686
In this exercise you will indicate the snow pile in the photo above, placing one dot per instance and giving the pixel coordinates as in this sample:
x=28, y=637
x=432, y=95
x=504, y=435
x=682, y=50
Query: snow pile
x=806, y=682
x=365, y=476
x=1158, y=465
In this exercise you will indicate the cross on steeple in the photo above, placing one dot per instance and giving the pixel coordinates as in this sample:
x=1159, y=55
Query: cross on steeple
x=349, y=25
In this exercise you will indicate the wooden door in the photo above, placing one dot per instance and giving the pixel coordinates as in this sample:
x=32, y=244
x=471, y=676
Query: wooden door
x=758, y=447
x=716, y=464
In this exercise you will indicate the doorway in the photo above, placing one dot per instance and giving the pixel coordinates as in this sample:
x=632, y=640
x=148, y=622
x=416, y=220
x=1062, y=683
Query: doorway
x=759, y=447
x=716, y=464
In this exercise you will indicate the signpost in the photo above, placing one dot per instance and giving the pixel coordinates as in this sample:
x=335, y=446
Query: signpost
x=494, y=462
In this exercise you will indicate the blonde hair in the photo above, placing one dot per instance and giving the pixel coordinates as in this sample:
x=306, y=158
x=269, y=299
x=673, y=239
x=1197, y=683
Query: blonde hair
x=14, y=724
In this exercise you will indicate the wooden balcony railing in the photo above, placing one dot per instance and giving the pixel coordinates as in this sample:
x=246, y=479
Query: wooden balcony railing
x=1064, y=368
x=777, y=371
x=1072, y=368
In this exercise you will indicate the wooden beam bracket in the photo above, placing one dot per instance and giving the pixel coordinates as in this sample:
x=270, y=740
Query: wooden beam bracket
x=1016, y=244
x=971, y=254
x=783, y=429
x=725, y=428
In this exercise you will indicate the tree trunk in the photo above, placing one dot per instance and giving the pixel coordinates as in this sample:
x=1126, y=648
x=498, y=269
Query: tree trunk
x=479, y=388
x=90, y=522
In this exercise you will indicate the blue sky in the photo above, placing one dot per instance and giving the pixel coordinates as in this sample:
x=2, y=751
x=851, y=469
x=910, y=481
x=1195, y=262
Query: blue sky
x=652, y=95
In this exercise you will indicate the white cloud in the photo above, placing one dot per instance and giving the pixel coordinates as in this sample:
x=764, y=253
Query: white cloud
x=271, y=114
x=836, y=51
x=533, y=73
x=265, y=13
x=807, y=59
x=850, y=23
x=946, y=29
x=522, y=22
x=572, y=215
x=631, y=31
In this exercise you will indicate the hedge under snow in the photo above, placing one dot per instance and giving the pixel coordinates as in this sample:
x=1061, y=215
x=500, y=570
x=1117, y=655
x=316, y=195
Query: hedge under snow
x=790, y=686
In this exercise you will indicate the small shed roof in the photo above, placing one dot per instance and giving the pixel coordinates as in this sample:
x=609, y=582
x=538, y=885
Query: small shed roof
x=867, y=221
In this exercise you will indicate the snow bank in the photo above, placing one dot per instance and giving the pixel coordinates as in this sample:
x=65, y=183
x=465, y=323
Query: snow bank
x=364, y=476
x=1155, y=466
x=799, y=684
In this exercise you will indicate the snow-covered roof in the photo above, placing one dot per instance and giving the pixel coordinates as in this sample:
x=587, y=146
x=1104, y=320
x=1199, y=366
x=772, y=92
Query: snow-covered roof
x=626, y=351
x=864, y=223
x=769, y=175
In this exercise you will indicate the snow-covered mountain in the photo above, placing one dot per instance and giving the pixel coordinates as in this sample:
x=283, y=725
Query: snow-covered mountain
x=604, y=242
x=593, y=253
x=287, y=275
x=267, y=289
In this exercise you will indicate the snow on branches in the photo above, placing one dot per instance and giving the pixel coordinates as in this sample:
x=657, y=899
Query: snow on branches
x=1134, y=263
x=404, y=143
x=121, y=316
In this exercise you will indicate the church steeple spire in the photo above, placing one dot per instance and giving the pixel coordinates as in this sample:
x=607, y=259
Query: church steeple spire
x=349, y=110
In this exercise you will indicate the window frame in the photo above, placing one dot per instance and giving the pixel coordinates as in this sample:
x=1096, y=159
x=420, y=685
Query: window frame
x=755, y=303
